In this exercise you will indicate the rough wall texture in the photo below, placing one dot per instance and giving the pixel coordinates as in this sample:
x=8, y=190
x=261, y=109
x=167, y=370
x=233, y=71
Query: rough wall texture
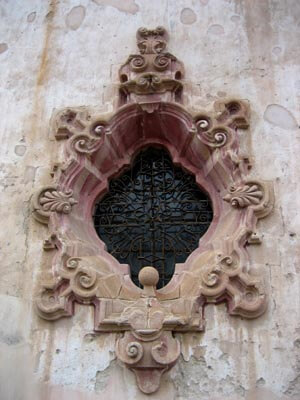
x=66, y=53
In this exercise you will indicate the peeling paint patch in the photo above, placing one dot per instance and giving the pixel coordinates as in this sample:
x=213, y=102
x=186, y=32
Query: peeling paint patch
x=75, y=17
x=128, y=6
x=279, y=116
x=187, y=16
x=3, y=47
x=215, y=30
x=102, y=378
x=31, y=17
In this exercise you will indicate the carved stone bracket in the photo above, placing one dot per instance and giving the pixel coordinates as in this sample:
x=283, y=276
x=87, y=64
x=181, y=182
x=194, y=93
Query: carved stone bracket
x=98, y=148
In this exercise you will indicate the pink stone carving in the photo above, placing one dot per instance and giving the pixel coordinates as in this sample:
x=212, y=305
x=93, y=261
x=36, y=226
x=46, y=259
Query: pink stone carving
x=97, y=148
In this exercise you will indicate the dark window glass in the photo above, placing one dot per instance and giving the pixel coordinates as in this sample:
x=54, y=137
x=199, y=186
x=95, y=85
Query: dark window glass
x=153, y=215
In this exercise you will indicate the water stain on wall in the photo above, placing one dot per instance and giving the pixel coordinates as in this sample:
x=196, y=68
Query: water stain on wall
x=20, y=150
x=279, y=116
x=43, y=70
x=187, y=16
x=277, y=50
x=215, y=30
x=75, y=17
x=31, y=17
x=235, y=18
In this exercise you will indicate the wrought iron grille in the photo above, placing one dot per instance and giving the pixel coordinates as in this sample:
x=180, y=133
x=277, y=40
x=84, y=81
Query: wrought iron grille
x=154, y=214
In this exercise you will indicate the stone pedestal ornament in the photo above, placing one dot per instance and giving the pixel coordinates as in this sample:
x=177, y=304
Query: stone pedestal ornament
x=98, y=147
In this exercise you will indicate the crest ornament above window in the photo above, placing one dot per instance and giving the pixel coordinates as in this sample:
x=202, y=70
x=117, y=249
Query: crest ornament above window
x=153, y=73
x=199, y=197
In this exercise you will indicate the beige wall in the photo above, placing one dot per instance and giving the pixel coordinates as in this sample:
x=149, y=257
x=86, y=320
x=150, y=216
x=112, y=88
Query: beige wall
x=55, y=54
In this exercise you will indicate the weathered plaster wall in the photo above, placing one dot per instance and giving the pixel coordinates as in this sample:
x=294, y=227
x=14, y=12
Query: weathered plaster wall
x=55, y=54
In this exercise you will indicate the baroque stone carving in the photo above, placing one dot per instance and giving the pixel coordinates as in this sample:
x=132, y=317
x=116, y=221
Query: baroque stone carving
x=50, y=199
x=153, y=71
x=96, y=149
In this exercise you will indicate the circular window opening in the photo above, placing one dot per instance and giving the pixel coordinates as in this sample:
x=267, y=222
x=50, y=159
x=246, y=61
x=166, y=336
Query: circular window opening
x=154, y=214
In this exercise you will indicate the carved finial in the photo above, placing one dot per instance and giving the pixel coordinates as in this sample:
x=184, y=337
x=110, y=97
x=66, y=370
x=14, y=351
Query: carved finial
x=149, y=277
x=153, y=75
x=151, y=41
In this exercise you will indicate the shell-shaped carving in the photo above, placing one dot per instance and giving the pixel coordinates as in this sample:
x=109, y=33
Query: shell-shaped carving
x=245, y=195
x=49, y=200
x=54, y=200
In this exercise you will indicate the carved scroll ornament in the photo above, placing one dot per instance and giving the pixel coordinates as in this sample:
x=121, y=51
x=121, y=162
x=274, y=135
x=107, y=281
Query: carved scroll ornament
x=205, y=144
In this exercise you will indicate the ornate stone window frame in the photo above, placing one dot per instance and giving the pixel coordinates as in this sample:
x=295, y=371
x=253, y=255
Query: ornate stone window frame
x=97, y=148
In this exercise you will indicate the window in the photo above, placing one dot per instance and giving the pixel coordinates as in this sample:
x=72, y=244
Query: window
x=154, y=214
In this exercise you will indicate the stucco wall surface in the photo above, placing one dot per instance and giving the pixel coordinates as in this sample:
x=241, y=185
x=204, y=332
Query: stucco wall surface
x=55, y=54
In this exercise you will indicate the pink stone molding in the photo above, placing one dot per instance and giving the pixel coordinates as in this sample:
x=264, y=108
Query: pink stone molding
x=96, y=149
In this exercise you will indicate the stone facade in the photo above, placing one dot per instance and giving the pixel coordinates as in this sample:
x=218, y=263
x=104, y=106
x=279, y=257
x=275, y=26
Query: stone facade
x=67, y=54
